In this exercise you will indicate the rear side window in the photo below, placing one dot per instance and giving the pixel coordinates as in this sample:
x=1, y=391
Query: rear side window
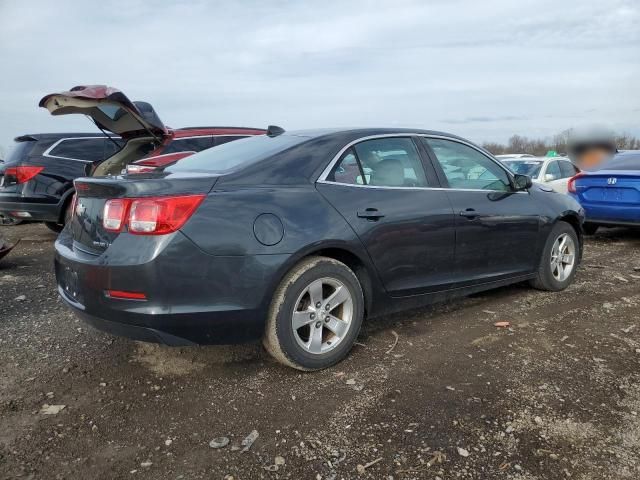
x=91, y=149
x=568, y=169
x=193, y=144
x=234, y=154
x=553, y=171
x=384, y=162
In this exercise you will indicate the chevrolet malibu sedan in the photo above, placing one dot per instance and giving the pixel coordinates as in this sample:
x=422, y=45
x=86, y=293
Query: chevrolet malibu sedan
x=297, y=238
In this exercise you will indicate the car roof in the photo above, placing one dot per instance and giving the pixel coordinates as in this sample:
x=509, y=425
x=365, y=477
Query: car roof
x=195, y=131
x=368, y=131
x=49, y=136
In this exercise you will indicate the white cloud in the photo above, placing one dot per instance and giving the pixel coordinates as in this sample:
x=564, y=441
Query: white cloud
x=483, y=70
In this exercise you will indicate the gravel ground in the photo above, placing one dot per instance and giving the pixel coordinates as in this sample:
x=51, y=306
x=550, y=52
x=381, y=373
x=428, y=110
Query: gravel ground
x=556, y=395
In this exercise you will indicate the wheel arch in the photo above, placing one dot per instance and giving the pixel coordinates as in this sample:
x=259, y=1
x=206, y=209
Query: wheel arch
x=65, y=200
x=356, y=260
x=573, y=219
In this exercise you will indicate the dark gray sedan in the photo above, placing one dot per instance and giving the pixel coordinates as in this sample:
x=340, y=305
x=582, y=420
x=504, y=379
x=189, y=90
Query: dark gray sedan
x=296, y=238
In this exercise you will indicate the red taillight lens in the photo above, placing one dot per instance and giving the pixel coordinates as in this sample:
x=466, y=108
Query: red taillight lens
x=123, y=295
x=149, y=216
x=160, y=215
x=133, y=169
x=571, y=184
x=113, y=215
x=22, y=174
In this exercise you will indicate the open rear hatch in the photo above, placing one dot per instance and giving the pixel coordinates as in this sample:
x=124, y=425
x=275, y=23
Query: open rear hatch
x=109, y=108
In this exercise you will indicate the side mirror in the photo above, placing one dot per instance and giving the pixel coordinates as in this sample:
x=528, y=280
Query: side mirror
x=522, y=182
x=548, y=177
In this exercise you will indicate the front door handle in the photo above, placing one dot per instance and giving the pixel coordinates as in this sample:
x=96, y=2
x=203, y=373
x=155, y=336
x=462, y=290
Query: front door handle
x=469, y=213
x=372, y=214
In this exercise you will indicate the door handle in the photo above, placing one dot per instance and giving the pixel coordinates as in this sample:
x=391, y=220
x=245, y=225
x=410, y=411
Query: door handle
x=370, y=214
x=469, y=213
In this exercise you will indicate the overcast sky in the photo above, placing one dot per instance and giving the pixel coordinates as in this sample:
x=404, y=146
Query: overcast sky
x=481, y=69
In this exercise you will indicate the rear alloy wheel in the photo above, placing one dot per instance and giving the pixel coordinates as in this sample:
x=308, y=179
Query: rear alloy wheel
x=559, y=259
x=315, y=315
x=7, y=221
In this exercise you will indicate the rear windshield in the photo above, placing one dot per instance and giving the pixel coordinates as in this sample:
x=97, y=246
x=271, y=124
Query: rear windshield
x=527, y=167
x=624, y=161
x=234, y=154
x=18, y=151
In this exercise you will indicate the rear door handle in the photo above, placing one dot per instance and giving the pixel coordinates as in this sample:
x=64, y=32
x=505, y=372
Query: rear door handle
x=469, y=213
x=370, y=214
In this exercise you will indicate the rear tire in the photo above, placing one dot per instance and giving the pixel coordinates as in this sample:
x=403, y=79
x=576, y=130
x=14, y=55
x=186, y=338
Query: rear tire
x=559, y=260
x=7, y=221
x=590, y=228
x=57, y=227
x=304, y=329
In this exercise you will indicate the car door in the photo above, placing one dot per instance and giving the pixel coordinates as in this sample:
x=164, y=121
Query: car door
x=497, y=228
x=553, y=176
x=380, y=186
x=567, y=170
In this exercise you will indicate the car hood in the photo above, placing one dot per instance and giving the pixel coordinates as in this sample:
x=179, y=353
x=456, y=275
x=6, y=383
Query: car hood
x=109, y=108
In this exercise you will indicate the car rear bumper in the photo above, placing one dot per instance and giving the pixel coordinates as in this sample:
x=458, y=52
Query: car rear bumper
x=38, y=211
x=192, y=297
x=612, y=215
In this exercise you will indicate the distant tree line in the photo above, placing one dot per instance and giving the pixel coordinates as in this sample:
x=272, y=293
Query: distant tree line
x=558, y=143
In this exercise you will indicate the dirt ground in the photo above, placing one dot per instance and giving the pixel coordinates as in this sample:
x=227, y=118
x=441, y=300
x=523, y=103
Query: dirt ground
x=556, y=395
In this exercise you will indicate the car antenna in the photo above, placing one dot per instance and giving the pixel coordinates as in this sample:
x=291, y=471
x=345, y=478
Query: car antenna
x=104, y=132
x=274, y=131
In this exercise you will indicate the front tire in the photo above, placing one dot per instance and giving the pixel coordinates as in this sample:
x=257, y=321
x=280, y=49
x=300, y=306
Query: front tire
x=559, y=260
x=315, y=315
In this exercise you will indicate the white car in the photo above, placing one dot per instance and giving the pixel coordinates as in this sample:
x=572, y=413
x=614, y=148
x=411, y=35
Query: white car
x=514, y=155
x=553, y=171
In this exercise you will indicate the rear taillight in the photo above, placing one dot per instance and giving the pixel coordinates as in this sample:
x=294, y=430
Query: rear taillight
x=571, y=184
x=21, y=174
x=133, y=169
x=158, y=162
x=149, y=216
x=113, y=215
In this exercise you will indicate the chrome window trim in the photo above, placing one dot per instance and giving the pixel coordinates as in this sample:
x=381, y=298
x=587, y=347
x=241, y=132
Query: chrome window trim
x=325, y=173
x=47, y=153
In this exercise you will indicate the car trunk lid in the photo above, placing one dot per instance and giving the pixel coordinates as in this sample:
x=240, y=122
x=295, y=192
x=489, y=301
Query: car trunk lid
x=89, y=234
x=109, y=108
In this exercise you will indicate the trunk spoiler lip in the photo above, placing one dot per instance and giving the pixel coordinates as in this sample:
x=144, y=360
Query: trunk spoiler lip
x=128, y=184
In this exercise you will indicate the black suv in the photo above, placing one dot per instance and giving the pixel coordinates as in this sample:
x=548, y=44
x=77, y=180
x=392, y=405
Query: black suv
x=36, y=179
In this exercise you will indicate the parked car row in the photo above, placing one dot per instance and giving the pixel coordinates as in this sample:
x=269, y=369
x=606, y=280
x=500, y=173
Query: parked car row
x=36, y=180
x=295, y=238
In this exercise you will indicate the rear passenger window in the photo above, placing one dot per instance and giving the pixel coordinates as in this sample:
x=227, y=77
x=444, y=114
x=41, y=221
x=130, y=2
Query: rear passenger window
x=92, y=149
x=553, y=171
x=568, y=169
x=384, y=162
x=193, y=144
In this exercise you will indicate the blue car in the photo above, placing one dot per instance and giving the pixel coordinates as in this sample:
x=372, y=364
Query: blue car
x=610, y=196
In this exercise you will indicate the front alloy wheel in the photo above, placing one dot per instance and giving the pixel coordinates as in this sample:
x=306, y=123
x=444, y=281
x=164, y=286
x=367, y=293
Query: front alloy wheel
x=563, y=257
